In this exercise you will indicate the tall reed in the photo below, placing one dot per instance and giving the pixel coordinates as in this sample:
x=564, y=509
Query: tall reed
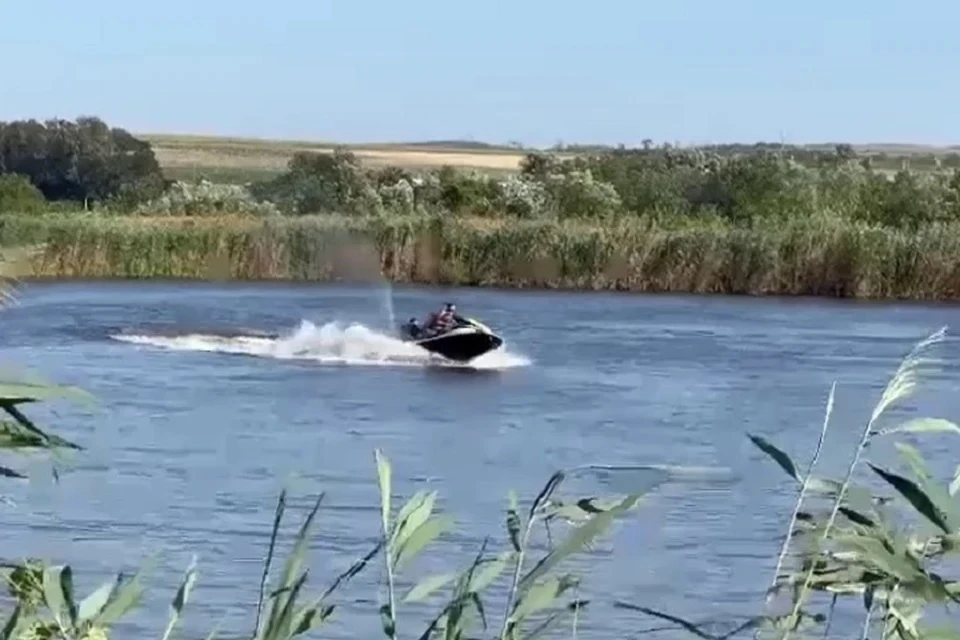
x=888, y=553
x=824, y=256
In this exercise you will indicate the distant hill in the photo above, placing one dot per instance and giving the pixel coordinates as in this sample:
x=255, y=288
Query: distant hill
x=889, y=148
x=458, y=144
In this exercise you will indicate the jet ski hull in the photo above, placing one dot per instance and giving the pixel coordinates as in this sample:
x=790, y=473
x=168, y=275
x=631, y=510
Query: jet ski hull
x=462, y=347
x=461, y=344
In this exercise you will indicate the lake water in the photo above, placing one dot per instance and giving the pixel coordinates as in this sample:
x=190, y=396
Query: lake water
x=195, y=432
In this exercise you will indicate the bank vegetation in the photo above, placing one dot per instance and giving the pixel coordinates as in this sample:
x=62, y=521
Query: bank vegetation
x=735, y=219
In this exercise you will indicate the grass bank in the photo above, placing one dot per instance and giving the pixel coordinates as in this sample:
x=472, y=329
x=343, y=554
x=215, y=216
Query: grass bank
x=824, y=257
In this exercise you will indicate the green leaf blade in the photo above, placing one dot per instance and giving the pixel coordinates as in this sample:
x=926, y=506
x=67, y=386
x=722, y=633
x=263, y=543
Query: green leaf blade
x=489, y=570
x=424, y=535
x=428, y=586
x=127, y=594
x=7, y=472
x=777, y=455
x=577, y=539
x=91, y=606
x=411, y=517
x=291, y=579
x=512, y=523
x=181, y=597
x=57, y=588
x=383, y=482
x=915, y=496
x=923, y=425
x=541, y=595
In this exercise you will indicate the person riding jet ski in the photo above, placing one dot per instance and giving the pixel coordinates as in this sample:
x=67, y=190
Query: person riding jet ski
x=437, y=322
x=443, y=320
x=413, y=329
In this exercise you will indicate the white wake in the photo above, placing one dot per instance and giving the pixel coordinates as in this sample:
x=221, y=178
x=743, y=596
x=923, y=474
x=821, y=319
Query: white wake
x=331, y=343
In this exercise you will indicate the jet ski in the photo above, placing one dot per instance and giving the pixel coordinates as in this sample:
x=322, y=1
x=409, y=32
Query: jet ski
x=466, y=340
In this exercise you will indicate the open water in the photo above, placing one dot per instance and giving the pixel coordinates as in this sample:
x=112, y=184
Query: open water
x=198, y=424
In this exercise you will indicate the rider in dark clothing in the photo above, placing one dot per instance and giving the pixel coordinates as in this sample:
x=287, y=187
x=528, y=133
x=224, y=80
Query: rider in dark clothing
x=413, y=328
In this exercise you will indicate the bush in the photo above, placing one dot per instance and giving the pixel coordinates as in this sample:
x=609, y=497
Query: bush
x=523, y=198
x=19, y=195
x=205, y=198
x=910, y=200
x=468, y=192
x=399, y=197
x=321, y=183
x=577, y=195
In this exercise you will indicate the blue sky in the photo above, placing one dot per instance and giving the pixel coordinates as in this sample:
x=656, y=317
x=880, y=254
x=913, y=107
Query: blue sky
x=533, y=71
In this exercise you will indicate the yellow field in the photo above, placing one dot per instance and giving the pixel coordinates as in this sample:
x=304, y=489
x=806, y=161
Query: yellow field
x=192, y=152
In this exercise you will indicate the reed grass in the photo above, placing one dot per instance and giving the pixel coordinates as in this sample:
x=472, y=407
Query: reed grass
x=821, y=256
x=855, y=543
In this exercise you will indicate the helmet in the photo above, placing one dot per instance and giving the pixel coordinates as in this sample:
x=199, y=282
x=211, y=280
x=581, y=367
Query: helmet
x=450, y=306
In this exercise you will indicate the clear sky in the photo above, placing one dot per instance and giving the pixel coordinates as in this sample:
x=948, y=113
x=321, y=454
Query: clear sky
x=530, y=70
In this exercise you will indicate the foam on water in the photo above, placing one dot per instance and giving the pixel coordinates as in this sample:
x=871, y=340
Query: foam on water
x=331, y=343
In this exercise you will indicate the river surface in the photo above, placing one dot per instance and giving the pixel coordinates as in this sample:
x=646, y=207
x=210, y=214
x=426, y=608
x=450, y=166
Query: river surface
x=195, y=431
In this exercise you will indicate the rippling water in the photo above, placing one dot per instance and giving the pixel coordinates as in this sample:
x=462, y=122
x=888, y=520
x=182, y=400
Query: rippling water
x=201, y=420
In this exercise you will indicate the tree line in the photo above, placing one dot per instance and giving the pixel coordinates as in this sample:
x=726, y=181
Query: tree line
x=662, y=183
x=83, y=160
x=87, y=162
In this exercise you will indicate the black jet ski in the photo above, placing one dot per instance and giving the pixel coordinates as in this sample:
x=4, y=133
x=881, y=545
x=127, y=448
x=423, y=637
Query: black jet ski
x=468, y=339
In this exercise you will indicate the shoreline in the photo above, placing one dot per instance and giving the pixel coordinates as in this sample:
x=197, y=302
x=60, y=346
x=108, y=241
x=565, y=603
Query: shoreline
x=786, y=298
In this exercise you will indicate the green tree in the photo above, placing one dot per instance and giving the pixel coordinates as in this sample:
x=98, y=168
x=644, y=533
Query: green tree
x=81, y=161
x=321, y=183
